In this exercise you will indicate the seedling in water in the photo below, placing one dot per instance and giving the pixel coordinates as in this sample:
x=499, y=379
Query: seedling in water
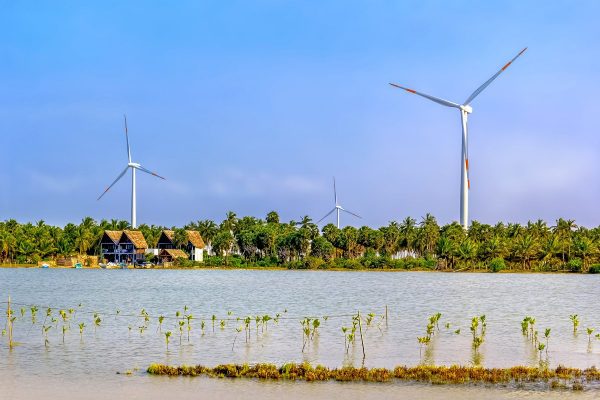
x=423, y=341
x=541, y=348
x=167, y=336
x=213, y=318
x=181, y=323
x=81, y=327
x=161, y=318
x=589, y=332
x=575, y=320
x=477, y=341
x=457, y=331
x=237, y=331
x=189, y=325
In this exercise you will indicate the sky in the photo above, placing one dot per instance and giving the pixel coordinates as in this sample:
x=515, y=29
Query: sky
x=253, y=106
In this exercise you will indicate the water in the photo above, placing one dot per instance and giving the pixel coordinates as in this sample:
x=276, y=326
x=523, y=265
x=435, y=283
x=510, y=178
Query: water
x=411, y=298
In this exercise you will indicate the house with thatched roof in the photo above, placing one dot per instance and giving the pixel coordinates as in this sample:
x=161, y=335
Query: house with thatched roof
x=126, y=246
x=194, y=246
x=170, y=255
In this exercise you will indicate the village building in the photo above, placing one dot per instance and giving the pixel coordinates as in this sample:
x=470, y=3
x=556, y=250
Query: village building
x=123, y=246
x=167, y=256
x=194, y=246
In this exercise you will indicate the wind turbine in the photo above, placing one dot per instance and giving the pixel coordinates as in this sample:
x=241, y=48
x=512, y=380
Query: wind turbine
x=465, y=110
x=337, y=208
x=133, y=167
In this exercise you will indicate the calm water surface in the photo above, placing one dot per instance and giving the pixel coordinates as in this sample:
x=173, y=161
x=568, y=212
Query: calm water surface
x=92, y=361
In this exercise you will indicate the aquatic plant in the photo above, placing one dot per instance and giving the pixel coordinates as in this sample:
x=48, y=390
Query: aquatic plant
x=161, y=318
x=547, y=336
x=457, y=331
x=64, y=330
x=189, y=318
x=81, y=328
x=477, y=341
x=237, y=331
x=575, y=320
x=34, y=311
x=167, y=336
x=590, y=331
x=213, y=318
x=180, y=323
x=423, y=340
x=45, y=330
x=97, y=322
x=541, y=347
x=202, y=325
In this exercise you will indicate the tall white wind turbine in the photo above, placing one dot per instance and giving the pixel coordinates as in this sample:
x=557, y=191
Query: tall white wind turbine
x=465, y=110
x=337, y=208
x=133, y=167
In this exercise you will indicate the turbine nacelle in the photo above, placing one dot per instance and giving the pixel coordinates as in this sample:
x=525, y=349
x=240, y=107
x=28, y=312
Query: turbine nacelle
x=134, y=165
x=466, y=108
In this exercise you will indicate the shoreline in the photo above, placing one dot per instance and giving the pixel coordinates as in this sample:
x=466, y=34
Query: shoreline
x=278, y=268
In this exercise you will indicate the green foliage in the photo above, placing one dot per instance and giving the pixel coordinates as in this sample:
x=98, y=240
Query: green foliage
x=406, y=245
x=574, y=265
x=594, y=269
x=497, y=264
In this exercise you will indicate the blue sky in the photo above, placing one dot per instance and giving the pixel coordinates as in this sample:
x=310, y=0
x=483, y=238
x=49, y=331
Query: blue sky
x=252, y=106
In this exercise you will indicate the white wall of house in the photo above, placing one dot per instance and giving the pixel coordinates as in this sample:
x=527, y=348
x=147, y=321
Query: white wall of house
x=198, y=254
x=152, y=251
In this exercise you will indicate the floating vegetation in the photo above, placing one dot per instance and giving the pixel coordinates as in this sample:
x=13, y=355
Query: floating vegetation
x=559, y=377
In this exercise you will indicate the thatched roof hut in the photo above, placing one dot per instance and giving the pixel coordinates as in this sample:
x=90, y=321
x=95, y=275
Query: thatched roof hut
x=136, y=238
x=194, y=237
x=170, y=255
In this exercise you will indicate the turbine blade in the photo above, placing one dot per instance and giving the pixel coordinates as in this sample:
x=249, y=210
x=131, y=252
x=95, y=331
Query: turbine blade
x=432, y=98
x=487, y=83
x=350, y=212
x=127, y=139
x=115, y=181
x=149, y=172
x=326, y=215
x=334, y=192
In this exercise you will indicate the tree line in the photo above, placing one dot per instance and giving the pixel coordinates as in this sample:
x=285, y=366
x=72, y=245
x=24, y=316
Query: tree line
x=409, y=244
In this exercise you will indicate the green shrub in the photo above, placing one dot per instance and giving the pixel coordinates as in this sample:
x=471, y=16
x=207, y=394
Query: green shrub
x=497, y=264
x=594, y=269
x=574, y=265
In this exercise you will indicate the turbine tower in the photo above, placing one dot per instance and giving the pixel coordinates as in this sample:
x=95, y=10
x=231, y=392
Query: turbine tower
x=465, y=109
x=337, y=208
x=133, y=167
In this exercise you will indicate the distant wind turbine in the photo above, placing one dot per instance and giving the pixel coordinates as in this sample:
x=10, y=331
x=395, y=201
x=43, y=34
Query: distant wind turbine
x=133, y=167
x=465, y=110
x=337, y=208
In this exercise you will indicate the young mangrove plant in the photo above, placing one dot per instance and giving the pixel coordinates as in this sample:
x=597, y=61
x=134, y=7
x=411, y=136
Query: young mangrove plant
x=202, y=325
x=423, y=340
x=181, y=323
x=189, y=318
x=237, y=332
x=477, y=341
x=34, y=311
x=590, y=331
x=213, y=319
x=97, y=322
x=541, y=347
x=167, y=336
x=161, y=318
x=45, y=330
x=547, y=336
x=575, y=320
x=65, y=328
x=81, y=328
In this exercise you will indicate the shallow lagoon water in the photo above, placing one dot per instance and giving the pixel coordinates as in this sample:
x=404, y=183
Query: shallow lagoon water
x=411, y=298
